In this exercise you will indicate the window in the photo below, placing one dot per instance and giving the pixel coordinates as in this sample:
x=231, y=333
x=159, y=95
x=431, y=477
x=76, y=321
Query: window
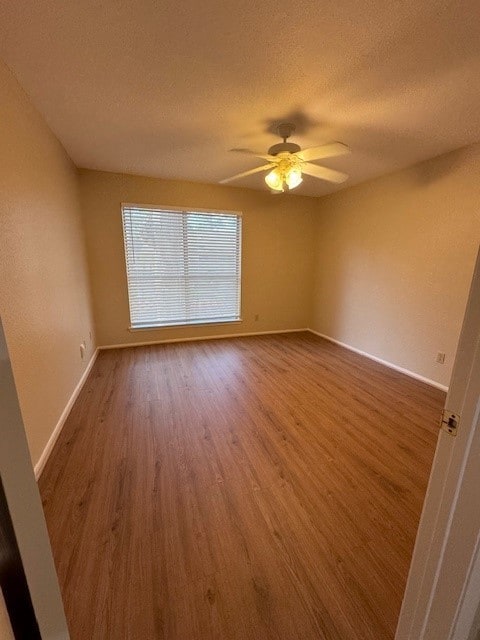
x=183, y=267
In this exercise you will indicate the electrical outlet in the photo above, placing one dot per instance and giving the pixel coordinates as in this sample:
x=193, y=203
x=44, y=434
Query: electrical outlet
x=83, y=348
x=440, y=357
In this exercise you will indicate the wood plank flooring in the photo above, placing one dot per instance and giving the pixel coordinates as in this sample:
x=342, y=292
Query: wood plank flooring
x=256, y=488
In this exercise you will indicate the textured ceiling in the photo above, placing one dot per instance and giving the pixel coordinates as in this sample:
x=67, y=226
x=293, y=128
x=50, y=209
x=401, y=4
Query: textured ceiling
x=166, y=88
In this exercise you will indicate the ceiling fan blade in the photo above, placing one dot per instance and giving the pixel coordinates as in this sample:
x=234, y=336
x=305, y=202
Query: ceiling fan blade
x=249, y=152
x=324, y=151
x=324, y=173
x=246, y=173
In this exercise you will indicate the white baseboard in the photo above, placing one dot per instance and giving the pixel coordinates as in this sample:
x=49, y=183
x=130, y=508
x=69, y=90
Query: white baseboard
x=61, y=421
x=390, y=365
x=215, y=337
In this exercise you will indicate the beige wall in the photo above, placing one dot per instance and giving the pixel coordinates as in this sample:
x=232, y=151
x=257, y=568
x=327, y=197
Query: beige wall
x=395, y=259
x=44, y=292
x=277, y=253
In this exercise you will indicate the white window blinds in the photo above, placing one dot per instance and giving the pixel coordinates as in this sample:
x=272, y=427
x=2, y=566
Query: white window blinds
x=183, y=267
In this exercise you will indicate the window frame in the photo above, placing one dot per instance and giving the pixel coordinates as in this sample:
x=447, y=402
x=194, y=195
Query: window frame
x=182, y=210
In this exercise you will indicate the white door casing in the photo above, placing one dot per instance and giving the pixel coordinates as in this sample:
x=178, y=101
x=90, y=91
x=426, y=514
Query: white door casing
x=25, y=509
x=438, y=603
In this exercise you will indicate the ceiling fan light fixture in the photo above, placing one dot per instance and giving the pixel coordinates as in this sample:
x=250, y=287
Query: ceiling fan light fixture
x=285, y=175
x=294, y=178
x=274, y=180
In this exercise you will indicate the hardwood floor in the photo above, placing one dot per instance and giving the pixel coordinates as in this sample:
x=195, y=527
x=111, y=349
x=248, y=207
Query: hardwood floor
x=264, y=488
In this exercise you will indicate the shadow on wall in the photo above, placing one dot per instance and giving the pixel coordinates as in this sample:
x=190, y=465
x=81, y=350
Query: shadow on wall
x=364, y=275
x=330, y=285
x=430, y=172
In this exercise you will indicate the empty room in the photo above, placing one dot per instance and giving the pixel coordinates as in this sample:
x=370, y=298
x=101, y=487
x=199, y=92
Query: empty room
x=240, y=320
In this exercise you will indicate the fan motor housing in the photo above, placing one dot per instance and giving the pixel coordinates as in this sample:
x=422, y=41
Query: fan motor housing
x=283, y=147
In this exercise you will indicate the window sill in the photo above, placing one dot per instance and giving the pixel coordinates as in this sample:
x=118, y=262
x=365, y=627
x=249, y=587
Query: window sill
x=198, y=323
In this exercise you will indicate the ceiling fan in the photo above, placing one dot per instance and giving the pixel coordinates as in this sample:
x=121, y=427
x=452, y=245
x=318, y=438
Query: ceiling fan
x=287, y=161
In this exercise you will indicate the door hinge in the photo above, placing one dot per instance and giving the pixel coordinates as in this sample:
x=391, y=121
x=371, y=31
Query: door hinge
x=450, y=422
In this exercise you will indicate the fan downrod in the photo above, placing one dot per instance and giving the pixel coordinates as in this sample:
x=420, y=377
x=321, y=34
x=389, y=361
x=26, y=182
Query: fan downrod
x=285, y=130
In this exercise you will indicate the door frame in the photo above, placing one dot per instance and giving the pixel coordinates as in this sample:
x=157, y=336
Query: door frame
x=440, y=600
x=25, y=509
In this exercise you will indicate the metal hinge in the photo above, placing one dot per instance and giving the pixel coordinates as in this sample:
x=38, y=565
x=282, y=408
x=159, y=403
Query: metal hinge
x=450, y=422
